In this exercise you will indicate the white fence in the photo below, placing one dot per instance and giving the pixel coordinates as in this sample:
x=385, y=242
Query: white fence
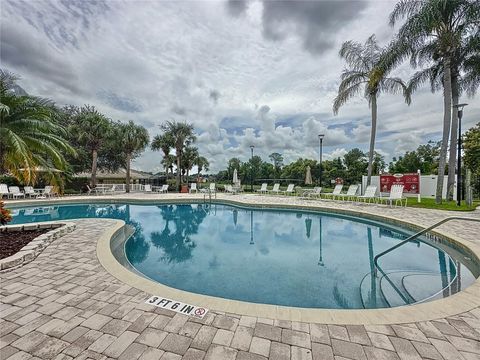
x=428, y=186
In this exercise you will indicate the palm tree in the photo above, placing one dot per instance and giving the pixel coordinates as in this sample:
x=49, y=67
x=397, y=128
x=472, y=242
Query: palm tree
x=465, y=62
x=134, y=139
x=168, y=162
x=435, y=28
x=182, y=135
x=92, y=129
x=202, y=164
x=30, y=138
x=366, y=72
x=190, y=155
x=164, y=142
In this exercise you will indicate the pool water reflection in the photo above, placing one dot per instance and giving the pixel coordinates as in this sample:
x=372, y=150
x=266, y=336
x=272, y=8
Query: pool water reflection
x=291, y=258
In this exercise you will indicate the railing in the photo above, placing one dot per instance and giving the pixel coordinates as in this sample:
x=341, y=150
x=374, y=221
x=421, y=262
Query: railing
x=375, y=259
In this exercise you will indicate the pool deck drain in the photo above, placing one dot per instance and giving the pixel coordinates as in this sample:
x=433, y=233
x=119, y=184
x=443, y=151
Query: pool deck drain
x=65, y=305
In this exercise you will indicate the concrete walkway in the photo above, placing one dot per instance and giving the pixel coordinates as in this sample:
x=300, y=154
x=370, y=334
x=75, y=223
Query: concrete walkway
x=64, y=305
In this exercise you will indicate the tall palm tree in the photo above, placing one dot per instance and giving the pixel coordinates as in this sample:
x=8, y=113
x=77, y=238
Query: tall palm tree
x=134, y=140
x=465, y=78
x=190, y=155
x=366, y=72
x=435, y=27
x=182, y=134
x=30, y=138
x=168, y=162
x=164, y=142
x=202, y=164
x=92, y=129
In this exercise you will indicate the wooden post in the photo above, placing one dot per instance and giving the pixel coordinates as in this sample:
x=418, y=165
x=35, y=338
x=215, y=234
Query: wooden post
x=468, y=188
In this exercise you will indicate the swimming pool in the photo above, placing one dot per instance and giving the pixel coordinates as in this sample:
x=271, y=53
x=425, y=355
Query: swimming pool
x=283, y=257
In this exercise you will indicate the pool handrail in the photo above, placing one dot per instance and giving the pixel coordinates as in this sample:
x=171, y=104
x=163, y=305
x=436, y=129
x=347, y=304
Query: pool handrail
x=420, y=233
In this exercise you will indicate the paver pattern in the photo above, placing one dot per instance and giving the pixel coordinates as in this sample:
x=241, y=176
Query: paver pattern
x=64, y=305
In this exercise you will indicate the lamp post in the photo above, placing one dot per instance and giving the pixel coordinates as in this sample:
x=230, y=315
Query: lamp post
x=320, y=148
x=251, y=169
x=459, y=108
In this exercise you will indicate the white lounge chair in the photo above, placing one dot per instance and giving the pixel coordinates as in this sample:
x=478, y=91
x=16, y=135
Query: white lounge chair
x=4, y=191
x=310, y=193
x=276, y=189
x=290, y=190
x=370, y=194
x=148, y=188
x=351, y=192
x=212, y=188
x=164, y=189
x=15, y=192
x=193, y=187
x=48, y=192
x=396, y=194
x=30, y=192
x=263, y=189
x=229, y=189
x=336, y=191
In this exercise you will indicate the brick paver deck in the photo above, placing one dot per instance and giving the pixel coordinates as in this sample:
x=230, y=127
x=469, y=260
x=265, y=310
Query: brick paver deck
x=64, y=305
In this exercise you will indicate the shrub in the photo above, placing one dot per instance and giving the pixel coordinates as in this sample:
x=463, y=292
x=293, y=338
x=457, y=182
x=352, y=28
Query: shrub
x=5, y=215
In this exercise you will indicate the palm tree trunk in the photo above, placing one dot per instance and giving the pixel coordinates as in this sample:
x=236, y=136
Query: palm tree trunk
x=178, y=170
x=453, y=141
x=129, y=157
x=447, y=116
x=93, y=180
x=372, y=138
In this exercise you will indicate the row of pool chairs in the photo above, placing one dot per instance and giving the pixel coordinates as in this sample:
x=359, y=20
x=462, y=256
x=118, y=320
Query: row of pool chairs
x=370, y=195
x=14, y=192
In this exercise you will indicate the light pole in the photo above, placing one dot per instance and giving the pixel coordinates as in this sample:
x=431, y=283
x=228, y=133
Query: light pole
x=251, y=169
x=320, y=148
x=459, y=108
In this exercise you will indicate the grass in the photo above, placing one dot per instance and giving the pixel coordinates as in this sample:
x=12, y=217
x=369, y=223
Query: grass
x=428, y=203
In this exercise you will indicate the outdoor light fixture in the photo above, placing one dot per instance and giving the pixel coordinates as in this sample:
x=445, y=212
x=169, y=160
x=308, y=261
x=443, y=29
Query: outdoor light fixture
x=251, y=174
x=320, y=146
x=459, y=108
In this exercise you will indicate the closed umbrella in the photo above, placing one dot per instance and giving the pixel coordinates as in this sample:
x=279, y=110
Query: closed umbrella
x=235, y=176
x=308, y=177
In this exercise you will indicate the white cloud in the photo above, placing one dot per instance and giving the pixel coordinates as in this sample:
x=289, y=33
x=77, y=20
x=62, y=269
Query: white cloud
x=155, y=61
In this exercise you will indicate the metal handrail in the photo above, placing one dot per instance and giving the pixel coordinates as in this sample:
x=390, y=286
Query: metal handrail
x=410, y=238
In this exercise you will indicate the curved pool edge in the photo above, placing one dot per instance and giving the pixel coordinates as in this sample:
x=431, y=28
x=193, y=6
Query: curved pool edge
x=463, y=301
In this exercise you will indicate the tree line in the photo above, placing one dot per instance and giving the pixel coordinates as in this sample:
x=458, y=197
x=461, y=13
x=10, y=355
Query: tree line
x=441, y=38
x=41, y=141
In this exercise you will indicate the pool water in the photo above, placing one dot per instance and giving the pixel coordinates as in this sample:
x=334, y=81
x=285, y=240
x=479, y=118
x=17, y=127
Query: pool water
x=292, y=258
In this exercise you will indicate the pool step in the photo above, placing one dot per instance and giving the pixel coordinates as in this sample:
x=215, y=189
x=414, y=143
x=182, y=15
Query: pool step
x=402, y=287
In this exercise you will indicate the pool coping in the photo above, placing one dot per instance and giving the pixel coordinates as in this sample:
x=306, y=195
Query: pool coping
x=463, y=301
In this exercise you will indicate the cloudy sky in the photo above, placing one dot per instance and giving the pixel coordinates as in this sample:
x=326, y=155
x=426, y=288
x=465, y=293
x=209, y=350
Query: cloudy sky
x=255, y=72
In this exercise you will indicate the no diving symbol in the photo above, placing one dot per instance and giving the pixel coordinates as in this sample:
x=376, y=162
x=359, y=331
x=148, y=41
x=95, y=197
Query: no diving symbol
x=199, y=311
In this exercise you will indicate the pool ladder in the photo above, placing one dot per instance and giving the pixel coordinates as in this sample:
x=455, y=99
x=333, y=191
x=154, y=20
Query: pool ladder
x=414, y=236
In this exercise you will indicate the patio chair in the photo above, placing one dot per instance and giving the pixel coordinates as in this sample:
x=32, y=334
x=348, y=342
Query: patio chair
x=212, y=188
x=148, y=188
x=290, y=190
x=30, y=192
x=276, y=189
x=370, y=194
x=263, y=189
x=351, y=192
x=229, y=189
x=396, y=194
x=4, y=191
x=310, y=193
x=48, y=192
x=193, y=187
x=164, y=189
x=15, y=192
x=110, y=190
x=336, y=191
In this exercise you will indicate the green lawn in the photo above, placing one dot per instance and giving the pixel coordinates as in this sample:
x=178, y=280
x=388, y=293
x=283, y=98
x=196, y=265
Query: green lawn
x=428, y=203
